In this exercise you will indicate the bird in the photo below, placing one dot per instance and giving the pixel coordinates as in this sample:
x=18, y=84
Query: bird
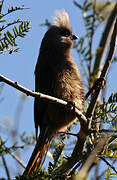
x=57, y=75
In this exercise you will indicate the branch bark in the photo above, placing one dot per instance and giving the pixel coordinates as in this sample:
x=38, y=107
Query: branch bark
x=44, y=97
x=104, y=42
x=82, y=174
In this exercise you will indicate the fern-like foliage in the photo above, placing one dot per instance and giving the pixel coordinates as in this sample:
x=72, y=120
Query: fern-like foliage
x=8, y=41
x=19, y=29
x=107, y=111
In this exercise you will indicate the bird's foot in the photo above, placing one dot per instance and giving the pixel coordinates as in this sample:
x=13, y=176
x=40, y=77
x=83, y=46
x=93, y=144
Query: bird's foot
x=71, y=105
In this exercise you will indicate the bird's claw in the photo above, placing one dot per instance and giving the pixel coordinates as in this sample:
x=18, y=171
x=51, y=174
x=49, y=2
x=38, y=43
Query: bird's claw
x=71, y=104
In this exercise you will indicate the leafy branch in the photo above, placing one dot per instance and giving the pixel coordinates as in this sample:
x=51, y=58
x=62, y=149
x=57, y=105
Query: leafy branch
x=9, y=24
x=107, y=110
x=9, y=38
x=13, y=9
x=10, y=10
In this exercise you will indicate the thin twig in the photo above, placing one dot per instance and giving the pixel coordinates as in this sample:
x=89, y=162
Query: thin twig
x=76, y=167
x=14, y=131
x=104, y=131
x=18, y=160
x=10, y=24
x=91, y=131
x=1, y=6
x=92, y=35
x=108, y=163
x=6, y=168
x=17, y=9
x=68, y=133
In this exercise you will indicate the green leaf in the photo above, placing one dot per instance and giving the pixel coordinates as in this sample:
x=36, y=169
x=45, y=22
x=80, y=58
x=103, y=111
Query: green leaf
x=8, y=40
x=108, y=173
x=115, y=59
x=1, y=21
x=22, y=35
x=20, y=27
x=87, y=53
x=112, y=98
x=3, y=45
x=78, y=5
x=15, y=44
x=10, y=35
x=88, y=6
x=26, y=30
x=14, y=32
x=83, y=50
x=16, y=29
x=6, y=43
x=1, y=48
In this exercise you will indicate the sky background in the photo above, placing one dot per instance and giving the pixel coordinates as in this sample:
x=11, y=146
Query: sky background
x=20, y=66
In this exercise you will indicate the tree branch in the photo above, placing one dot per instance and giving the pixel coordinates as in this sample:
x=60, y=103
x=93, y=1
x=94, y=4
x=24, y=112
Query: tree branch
x=82, y=174
x=44, y=97
x=104, y=42
x=102, y=158
x=105, y=70
x=6, y=168
x=18, y=160
x=91, y=131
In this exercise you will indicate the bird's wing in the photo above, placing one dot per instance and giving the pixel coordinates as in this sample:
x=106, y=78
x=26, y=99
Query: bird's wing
x=44, y=83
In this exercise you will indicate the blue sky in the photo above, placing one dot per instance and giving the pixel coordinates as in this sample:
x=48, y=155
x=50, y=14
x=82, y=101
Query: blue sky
x=20, y=66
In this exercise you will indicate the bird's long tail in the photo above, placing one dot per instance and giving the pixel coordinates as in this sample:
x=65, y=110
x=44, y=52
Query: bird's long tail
x=38, y=156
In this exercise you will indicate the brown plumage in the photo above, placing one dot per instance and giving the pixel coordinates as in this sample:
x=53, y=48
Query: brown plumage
x=56, y=74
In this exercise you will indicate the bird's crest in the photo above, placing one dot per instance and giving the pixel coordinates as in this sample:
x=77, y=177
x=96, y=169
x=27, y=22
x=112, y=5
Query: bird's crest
x=61, y=19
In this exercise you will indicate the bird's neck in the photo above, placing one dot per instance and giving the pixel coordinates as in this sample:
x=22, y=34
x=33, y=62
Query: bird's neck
x=60, y=54
x=56, y=57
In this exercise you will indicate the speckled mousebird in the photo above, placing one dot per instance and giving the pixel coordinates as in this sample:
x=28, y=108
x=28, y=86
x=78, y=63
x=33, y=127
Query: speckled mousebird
x=56, y=74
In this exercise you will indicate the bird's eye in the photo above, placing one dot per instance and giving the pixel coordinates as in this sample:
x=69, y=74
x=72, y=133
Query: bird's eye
x=65, y=33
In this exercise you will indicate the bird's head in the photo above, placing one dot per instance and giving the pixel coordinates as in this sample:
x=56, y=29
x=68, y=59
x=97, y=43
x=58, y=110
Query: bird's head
x=59, y=35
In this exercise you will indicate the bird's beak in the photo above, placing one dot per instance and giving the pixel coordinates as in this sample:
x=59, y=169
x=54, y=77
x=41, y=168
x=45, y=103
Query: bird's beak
x=74, y=37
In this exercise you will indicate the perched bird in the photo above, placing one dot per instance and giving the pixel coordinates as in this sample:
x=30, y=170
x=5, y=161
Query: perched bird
x=56, y=74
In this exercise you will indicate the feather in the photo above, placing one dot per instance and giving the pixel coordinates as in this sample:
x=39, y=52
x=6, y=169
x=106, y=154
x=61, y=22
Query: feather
x=61, y=19
x=38, y=156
